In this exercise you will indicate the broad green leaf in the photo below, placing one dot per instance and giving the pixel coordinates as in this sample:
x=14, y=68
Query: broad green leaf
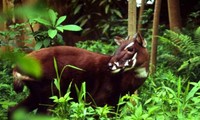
x=52, y=16
x=46, y=43
x=43, y=22
x=60, y=20
x=71, y=27
x=52, y=33
x=38, y=45
x=60, y=28
x=25, y=63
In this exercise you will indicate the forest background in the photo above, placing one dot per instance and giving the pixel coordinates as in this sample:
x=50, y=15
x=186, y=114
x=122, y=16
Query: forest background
x=171, y=28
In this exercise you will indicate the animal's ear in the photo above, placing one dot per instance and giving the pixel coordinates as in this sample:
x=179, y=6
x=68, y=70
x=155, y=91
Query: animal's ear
x=118, y=40
x=140, y=40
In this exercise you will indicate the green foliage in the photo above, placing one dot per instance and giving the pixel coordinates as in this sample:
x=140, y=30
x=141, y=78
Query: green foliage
x=12, y=35
x=97, y=46
x=163, y=96
x=7, y=97
x=23, y=62
x=7, y=94
x=147, y=18
x=193, y=19
x=68, y=109
x=186, y=49
x=171, y=96
x=105, y=15
x=57, y=80
x=21, y=114
x=53, y=25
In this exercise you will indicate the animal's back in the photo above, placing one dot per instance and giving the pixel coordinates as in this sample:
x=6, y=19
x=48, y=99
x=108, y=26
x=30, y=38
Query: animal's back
x=88, y=61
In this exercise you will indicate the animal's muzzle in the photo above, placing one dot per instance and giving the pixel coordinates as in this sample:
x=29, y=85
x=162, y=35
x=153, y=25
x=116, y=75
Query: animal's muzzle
x=117, y=66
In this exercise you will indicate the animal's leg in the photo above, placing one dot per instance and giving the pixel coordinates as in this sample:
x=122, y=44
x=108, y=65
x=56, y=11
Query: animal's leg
x=30, y=103
x=44, y=105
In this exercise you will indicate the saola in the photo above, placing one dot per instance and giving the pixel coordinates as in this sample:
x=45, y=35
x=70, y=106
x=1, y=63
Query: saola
x=107, y=77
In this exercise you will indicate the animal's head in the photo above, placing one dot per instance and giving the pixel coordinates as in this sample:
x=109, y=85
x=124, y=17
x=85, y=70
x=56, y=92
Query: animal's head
x=131, y=53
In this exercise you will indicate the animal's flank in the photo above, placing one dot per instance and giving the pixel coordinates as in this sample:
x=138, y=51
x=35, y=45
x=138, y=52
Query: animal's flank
x=107, y=77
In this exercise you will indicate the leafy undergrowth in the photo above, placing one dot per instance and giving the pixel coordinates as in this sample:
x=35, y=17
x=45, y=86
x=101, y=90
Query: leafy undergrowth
x=7, y=95
x=164, y=96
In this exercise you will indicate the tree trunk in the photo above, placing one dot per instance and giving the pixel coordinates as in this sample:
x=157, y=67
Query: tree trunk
x=175, y=22
x=154, y=35
x=140, y=15
x=4, y=7
x=1, y=10
x=132, y=17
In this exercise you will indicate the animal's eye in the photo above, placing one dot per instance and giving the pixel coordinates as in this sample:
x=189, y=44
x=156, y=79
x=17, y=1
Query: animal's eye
x=130, y=49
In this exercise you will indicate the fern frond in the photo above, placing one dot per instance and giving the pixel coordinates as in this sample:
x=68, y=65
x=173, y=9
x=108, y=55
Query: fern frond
x=189, y=51
x=169, y=59
x=191, y=63
x=183, y=42
x=197, y=38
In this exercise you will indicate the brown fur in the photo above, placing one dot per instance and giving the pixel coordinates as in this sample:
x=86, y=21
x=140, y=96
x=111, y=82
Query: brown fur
x=104, y=86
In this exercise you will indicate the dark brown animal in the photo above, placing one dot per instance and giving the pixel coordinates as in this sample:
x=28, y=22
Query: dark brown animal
x=107, y=77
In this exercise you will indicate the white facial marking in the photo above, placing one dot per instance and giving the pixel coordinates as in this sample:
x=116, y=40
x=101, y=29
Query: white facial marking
x=133, y=65
x=110, y=64
x=129, y=45
x=126, y=63
x=134, y=57
x=116, y=63
x=141, y=73
x=116, y=71
x=134, y=62
x=114, y=67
